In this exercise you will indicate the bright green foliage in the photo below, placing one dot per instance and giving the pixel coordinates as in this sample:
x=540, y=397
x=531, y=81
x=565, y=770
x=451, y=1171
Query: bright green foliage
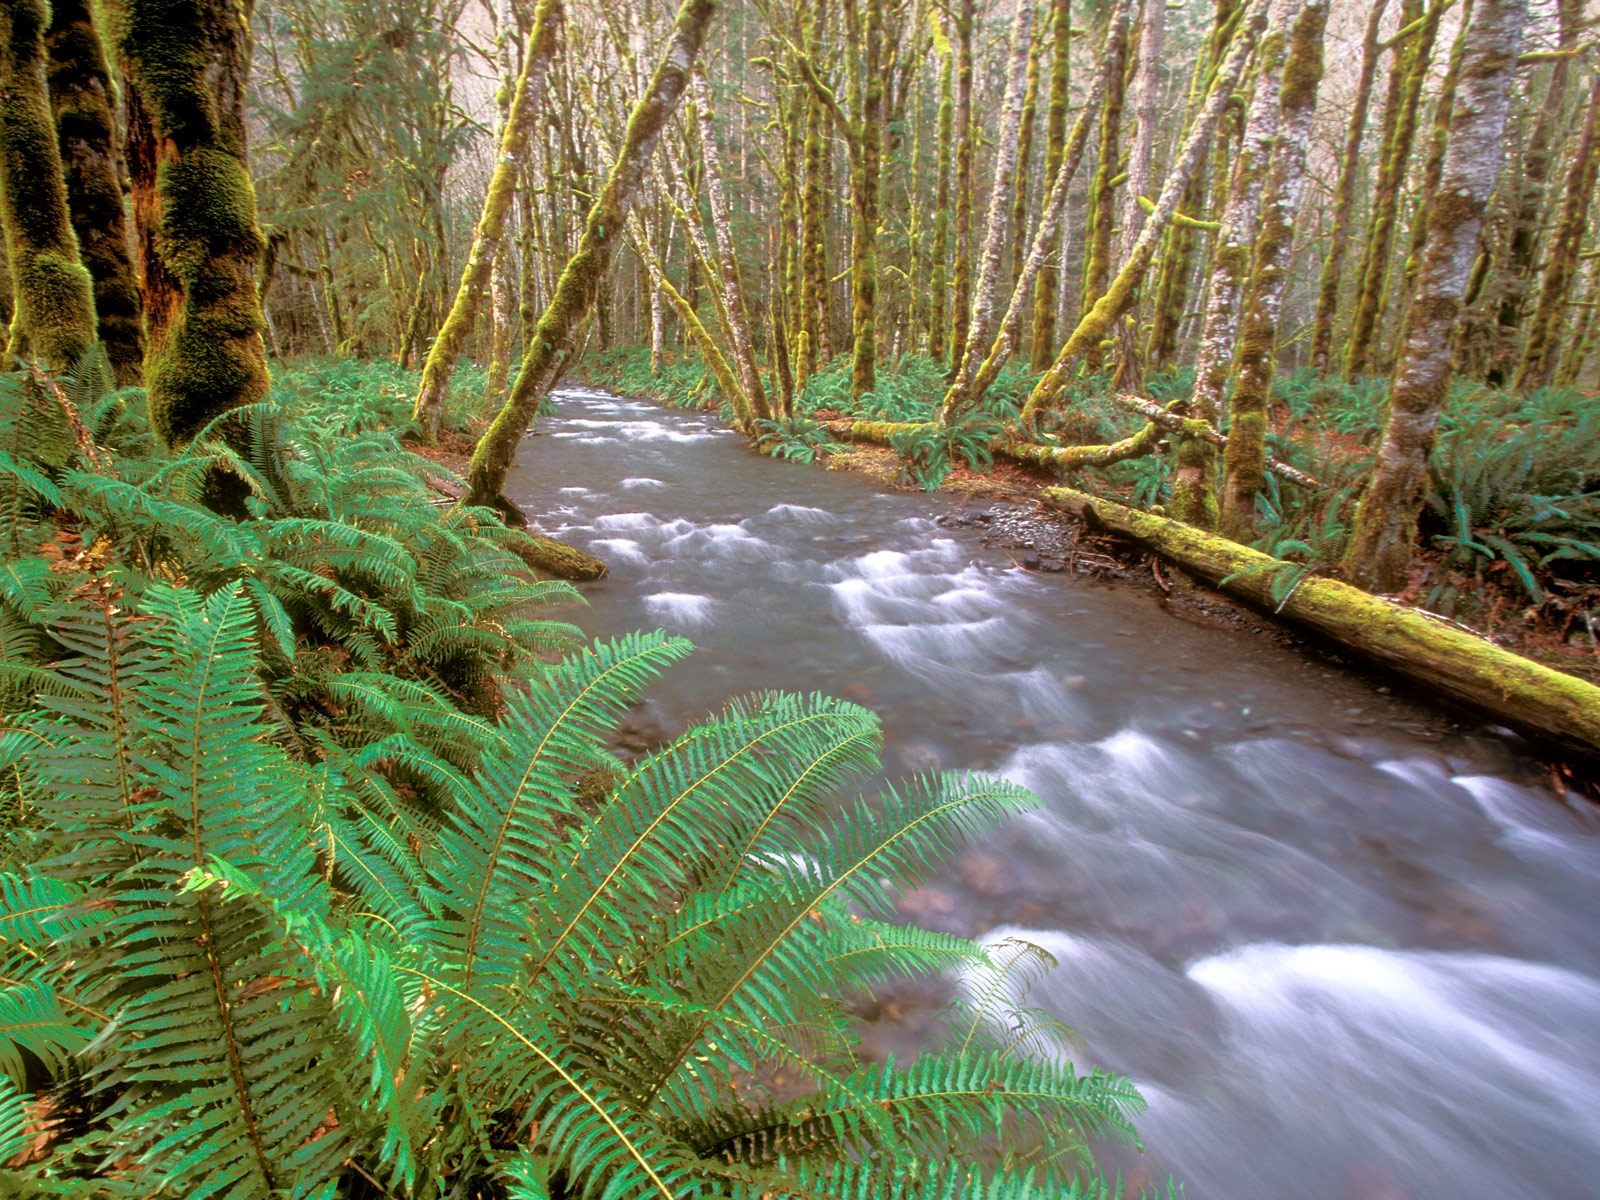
x=312, y=899
x=799, y=439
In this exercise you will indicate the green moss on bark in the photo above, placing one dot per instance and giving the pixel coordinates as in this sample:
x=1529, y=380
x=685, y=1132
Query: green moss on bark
x=54, y=319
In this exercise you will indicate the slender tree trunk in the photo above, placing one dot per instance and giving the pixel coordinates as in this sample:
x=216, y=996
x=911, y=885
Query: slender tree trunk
x=1385, y=532
x=991, y=263
x=1042, y=347
x=1093, y=325
x=1102, y=215
x=1543, y=344
x=543, y=42
x=1020, y=206
x=1146, y=89
x=1586, y=336
x=813, y=214
x=960, y=283
x=575, y=292
x=83, y=98
x=866, y=168
x=1194, y=498
x=54, y=317
x=744, y=351
x=502, y=286
x=1366, y=318
x=1528, y=198
x=1344, y=204
x=938, y=285
x=1246, y=458
x=1438, y=139
x=186, y=64
x=1047, y=237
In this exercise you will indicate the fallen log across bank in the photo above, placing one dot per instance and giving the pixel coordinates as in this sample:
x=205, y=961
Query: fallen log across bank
x=1525, y=695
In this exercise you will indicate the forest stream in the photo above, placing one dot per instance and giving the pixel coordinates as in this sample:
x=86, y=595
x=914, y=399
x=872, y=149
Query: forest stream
x=1346, y=950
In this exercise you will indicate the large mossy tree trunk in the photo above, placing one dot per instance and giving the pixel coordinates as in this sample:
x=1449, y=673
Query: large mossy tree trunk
x=1542, y=348
x=1093, y=325
x=944, y=166
x=1127, y=371
x=1344, y=203
x=575, y=291
x=544, y=40
x=1043, y=332
x=1245, y=463
x=83, y=99
x=1385, y=531
x=185, y=63
x=965, y=15
x=54, y=317
x=1102, y=190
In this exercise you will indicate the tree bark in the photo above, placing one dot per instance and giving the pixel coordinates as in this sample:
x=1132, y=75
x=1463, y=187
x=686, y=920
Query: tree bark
x=83, y=99
x=961, y=276
x=1385, y=531
x=54, y=317
x=186, y=65
x=1245, y=462
x=1043, y=334
x=575, y=291
x=544, y=40
x=1092, y=326
x=1344, y=203
x=1146, y=89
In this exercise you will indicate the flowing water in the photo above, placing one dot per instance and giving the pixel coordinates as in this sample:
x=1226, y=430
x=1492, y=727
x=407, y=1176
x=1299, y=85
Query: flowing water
x=1345, y=949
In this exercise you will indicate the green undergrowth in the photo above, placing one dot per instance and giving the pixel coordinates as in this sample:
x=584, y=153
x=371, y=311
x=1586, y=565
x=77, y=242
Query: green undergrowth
x=320, y=876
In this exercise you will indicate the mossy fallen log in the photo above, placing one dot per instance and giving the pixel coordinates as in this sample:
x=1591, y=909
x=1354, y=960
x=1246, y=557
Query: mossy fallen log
x=557, y=558
x=1517, y=691
x=1037, y=454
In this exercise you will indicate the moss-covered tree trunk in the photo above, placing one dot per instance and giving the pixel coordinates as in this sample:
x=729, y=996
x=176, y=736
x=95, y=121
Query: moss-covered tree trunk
x=84, y=101
x=575, y=291
x=1372, y=292
x=1344, y=202
x=1093, y=325
x=865, y=139
x=1194, y=486
x=816, y=343
x=980, y=321
x=502, y=276
x=1246, y=459
x=1177, y=257
x=938, y=279
x=1127, y=372
x=1542, y=348
x=54, y=319
x=1382, y=541
x=1025, y=137
x=1438, y=140
x=744, y=351
x=1102, y=207
x=186, y=64
x=961, y=274
x=544, y=40
x=1046, y=239
x=1042, y=336
x=1530, y=193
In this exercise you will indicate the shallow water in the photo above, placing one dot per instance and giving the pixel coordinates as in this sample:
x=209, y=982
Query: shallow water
x=1345, y=947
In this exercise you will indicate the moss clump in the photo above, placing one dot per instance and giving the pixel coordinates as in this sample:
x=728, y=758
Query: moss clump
x=54, y=319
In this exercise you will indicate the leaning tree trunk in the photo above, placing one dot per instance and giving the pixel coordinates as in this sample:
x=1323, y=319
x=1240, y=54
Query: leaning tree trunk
x=744, y=351
x=186, y=64
x=1381, y=543
x=551, y=343
x=991, y=262
x=1043, y=334
x=1543, y=347
x=1146, y=88
x=54, y=319
x=1097, y=238
x=1194, y=498
x=1344, y=204
x=502, y=284
x=1092, y=326
x=544, y=39
x=84, y=100
x=1246, y=459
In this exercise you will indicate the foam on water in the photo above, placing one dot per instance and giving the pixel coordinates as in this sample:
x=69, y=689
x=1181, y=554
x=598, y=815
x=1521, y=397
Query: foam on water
x=683, y=608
